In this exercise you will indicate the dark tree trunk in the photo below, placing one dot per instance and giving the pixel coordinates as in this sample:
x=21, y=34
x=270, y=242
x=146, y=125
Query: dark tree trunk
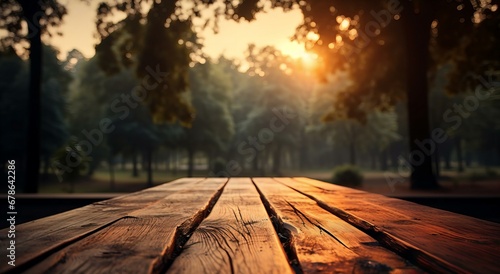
x=144, y=161
x=303, y=150
x=46, y=166
x=383, y=160
x=255, y=163
x=176, y=162
x=190, y=161
x=135, y=170
x=168, y=161
x=352, y=152
x=459, y=154
x=394, y=155
x=155, y=162
x=437, y=161
x=263, y=163
x=417, y=38
x=468, y=158
x=446, y=151
x=373, y=156
x=111, y=174
x=30, y=9
x=277, y=160
x=149, y=160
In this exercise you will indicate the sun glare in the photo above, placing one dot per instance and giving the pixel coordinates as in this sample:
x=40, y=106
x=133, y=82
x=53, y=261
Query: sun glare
x=299, y=53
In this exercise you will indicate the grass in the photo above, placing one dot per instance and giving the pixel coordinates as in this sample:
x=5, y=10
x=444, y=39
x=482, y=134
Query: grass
x=474, y=180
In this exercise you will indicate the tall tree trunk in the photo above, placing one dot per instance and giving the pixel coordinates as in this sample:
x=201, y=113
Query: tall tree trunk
x=111, y=173
x=255, y=163
x=144, y=161
x=303, y=150
x=383, y=159
x=437, y=161
x=352, y=152
x=176, y=162
x=149, y=159
x=135, y=170
x=30, y=9
x=190, y=161
x=277, y=160
x=124, y=163
x=373, y=156
x=460, y=161
x=46, y=166
x=417, y=37
x=446, y=151
x=155, y=162
x=168, y=161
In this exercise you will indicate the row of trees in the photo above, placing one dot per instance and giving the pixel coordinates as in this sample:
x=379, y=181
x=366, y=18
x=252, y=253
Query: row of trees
x=255, y=122
x=372, y=41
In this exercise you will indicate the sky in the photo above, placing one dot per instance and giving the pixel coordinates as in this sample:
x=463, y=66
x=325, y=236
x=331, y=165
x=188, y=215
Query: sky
x=274, y=27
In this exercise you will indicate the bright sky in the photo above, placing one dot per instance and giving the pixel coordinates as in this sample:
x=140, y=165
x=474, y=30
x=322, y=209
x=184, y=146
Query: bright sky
x=272, y=28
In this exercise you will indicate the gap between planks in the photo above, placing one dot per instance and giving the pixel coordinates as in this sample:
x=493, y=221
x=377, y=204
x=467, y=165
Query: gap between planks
x=237, y=237
x=126, y=207
x=387, y=220
x=322, y=242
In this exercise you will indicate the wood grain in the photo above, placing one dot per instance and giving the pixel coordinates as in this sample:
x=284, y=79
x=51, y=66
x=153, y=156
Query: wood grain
x=324, y=242
x=237, y=237
x=41, y=237
x=434, y=239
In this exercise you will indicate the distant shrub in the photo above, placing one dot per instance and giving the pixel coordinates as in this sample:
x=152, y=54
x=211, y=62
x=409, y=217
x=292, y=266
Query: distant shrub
x=347, y=175
x=219, y=167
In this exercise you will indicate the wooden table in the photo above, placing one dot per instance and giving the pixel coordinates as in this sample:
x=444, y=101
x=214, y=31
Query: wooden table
x=254, y=225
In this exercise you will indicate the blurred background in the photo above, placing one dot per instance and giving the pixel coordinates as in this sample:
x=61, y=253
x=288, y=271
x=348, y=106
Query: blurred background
x=395, y=97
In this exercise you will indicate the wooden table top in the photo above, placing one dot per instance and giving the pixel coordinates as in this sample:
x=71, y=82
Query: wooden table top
x=254, y=225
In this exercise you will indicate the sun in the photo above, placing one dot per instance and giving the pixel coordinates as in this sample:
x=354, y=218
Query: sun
x=298, y=52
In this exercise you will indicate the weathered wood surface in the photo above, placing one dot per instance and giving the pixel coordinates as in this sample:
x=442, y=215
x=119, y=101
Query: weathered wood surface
x=143, y=240
x=324, y=242
x=41, y=237
x=434, y=239
x=259, y=225
x=237, y=237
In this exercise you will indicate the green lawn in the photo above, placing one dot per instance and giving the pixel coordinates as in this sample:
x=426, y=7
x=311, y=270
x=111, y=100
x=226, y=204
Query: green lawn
x=474, y=180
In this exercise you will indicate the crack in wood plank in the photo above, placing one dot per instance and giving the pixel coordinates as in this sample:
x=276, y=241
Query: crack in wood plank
x=319, y=252
x=182, y=234
x=284, y=232
x=405, y=249
x=237, y=237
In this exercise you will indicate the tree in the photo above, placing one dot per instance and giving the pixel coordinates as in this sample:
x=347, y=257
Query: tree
x=376, y=40
x=165, y=44
x=55, y=84
x=15, y=93
x=38, y=16
x=275, y=84
x=212, y=127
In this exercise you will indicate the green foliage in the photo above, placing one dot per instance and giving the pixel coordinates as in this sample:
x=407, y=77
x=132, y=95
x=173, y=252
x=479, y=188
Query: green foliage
x=68, y=154
x=153, y=41
x=219, y=166
x=14, y=14
x=212, y=127
x=347, y=175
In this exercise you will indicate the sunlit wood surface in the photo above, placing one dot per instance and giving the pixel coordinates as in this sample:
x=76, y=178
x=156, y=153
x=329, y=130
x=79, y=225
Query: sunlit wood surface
x=254, y=225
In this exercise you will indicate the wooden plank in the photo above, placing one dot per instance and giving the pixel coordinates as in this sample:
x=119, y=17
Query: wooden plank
x=324, y=242
x=144, y=241
x=237, y=237
x=37, y=238
x=431, y=238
